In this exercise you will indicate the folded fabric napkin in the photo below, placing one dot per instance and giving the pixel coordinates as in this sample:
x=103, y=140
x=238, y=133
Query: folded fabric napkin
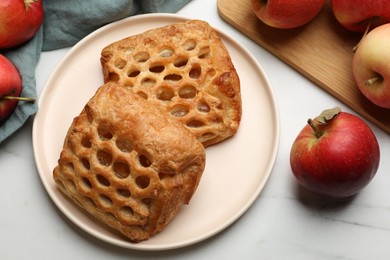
x=65, y=23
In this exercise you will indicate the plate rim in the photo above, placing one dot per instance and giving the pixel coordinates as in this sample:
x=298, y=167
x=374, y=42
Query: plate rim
x=48, y=86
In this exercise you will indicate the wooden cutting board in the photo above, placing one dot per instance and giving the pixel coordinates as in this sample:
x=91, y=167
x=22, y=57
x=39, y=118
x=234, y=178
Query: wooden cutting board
x=320, y=50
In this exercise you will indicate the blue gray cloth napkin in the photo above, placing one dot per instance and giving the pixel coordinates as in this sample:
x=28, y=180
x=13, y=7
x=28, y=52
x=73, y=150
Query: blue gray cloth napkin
x=65, y=23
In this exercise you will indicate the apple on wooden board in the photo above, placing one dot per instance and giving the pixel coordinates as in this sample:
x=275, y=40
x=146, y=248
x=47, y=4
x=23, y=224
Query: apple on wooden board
x=371, y=66
x=357, y=15
x=10, y=88
x=335, y=155
x=287, y=14
x=19, y=21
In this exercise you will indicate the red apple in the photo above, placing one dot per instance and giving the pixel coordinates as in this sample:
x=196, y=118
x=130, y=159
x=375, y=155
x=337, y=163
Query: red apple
x=356, y=15
x=19, y=21
x=335, y=155
x=10, y=88
x=287, y=14
x=371, y=66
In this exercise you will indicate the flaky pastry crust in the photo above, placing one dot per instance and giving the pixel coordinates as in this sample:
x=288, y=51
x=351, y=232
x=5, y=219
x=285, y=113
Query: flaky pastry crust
x=184, y=67
x=129, y=164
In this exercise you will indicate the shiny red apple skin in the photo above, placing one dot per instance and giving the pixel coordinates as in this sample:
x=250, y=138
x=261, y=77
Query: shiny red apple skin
x=341, y=162
x=10, y=85
x=287, y=14
x=19, y=22
x=371, y=60
x=355, y=15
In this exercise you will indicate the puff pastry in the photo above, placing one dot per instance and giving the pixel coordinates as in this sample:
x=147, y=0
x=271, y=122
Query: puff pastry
x=129, y=164
x=184, y=67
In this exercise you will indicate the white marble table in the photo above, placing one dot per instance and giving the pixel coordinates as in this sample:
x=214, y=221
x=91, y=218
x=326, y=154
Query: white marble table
x=284, y=222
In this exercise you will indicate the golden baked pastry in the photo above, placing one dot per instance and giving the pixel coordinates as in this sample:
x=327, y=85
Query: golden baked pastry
x=129, y=164
x=186, y=68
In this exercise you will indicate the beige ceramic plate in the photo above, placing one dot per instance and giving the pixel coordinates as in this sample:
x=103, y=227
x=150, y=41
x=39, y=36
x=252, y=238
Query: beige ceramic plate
x=236, y=170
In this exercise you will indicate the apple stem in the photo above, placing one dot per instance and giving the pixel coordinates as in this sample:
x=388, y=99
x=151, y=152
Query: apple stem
x=317, y=132
x=364, y=35
x=19, y=98
x=28, y=3
x=371, y=81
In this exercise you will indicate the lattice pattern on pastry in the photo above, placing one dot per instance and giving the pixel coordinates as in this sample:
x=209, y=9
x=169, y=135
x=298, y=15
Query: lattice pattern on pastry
x=110, y=175
x=184, y=67
x=115, y=176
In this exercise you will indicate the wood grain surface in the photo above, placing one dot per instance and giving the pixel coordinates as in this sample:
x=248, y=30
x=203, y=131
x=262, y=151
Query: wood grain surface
x=320, y=50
